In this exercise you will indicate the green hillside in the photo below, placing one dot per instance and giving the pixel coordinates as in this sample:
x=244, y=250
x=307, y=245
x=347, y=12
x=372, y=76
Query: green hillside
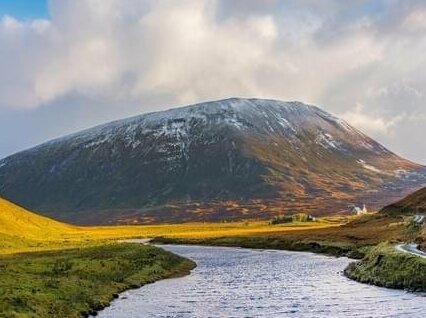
x=415, y=202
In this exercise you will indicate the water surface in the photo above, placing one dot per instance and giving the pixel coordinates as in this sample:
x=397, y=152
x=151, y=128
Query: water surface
x=232, y=282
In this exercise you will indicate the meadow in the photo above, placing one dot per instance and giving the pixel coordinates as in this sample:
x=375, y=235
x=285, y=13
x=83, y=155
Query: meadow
x=24, y=231
x=51, y=268
x=78, y=282
x=352, y=238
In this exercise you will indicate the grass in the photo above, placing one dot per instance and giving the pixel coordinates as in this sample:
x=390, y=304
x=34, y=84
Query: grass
x=361, y=238
x=76, y=282
x=60, y=280
x=383, y=266
x=21, y=230
x=272, y=242
x=415, y=202
x=351, y=239
x=24, y=231
x=86, y=278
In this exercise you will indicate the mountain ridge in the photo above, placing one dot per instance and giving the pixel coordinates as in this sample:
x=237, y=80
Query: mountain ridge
x=220, y=160
x=180, y=111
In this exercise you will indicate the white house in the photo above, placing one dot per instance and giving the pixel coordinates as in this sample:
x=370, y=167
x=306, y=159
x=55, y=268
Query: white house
x=357, y=210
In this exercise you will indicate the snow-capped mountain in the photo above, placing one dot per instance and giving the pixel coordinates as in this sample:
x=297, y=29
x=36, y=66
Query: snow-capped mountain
x=228, y=159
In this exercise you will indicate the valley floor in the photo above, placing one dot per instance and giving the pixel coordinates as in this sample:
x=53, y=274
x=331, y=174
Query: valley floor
x=72, y=270
x=52, y=269
x=370, y=238
x=87, y=236
x=352, y=238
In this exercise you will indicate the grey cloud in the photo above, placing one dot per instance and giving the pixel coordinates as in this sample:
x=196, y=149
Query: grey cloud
x=98, y=60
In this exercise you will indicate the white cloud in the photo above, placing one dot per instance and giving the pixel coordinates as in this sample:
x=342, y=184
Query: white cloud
x=148, y=54
x=181, y=49
x=415, y=21
x=370, y=123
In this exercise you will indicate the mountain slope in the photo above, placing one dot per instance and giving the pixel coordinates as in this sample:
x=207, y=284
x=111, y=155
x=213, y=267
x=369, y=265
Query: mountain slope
x=228, y=159
x=415, y=202
x=16, y=221
x=22, y=230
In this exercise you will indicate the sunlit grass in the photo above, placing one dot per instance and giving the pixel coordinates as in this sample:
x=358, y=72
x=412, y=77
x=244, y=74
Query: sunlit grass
x=21, y=230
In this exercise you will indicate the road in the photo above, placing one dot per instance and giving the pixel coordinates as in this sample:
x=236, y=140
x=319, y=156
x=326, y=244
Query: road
x=411, y=249
x=144, y=241
x=419, y=218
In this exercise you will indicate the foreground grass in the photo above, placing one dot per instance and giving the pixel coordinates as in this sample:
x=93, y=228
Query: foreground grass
x=76, y=282
x=383, y=266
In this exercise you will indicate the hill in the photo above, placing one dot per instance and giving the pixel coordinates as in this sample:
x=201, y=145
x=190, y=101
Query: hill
x=21, y=229
x=415, y=202
x=214, y=161
x=50, y=283
x=17, y=221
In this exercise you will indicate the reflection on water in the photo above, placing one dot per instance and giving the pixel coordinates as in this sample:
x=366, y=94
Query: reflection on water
x=231, y=282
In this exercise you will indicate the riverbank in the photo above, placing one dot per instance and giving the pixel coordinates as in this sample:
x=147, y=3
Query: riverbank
x=352, y=239
x=378, y=265
x=360, y=239
x=275, y=243
x=386, y=267
x=237, y=282
x=79, y=282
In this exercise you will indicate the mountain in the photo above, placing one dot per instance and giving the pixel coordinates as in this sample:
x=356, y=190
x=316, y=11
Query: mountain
x=415, y=202
x=214, y=161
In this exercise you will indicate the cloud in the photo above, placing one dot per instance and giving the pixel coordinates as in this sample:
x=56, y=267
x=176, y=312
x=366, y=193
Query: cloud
x=154, y=49
x=370, y=123
x=184, y=49
x=415, y=21
x=118, y=57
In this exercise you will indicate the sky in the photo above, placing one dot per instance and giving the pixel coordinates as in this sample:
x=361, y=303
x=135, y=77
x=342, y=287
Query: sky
x=24, y=9
x=67, y=65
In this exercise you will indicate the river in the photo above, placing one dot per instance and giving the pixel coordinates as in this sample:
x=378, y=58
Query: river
x=233, y=282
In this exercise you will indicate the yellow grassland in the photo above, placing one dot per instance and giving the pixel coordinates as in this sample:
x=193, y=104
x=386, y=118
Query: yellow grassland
x=24, y=231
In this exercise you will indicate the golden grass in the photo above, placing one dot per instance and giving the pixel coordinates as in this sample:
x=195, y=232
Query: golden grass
x=17, y=221
x=21, y=230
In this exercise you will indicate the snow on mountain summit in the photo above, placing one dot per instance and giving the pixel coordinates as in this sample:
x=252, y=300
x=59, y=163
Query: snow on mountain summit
x=261, y=116
x=190, y=163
